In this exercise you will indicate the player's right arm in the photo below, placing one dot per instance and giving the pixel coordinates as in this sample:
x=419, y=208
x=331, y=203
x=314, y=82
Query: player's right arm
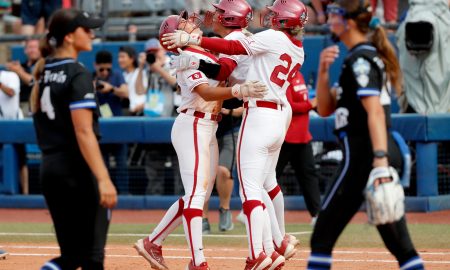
x=82, y=104
x=326, y=98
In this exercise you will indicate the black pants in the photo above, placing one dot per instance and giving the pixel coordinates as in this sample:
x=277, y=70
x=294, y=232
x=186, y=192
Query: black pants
x=81, y=224
x=302, y=161
x=345, y=197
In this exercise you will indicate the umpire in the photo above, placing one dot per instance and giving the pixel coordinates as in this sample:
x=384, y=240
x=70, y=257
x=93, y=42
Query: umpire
x=361, y=124
x=75, y=182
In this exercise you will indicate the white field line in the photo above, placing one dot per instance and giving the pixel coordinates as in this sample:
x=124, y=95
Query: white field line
x=143, y=235
x=226, y=258
x=9, y=247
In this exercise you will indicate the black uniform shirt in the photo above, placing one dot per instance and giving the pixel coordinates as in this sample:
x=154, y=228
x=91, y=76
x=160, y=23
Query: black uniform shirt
x=362, y=75
x=64, y=86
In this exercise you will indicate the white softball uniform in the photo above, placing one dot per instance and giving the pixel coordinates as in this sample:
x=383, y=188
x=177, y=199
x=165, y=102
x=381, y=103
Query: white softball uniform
x=239, y=74
x=275, y=59
x=194, y=137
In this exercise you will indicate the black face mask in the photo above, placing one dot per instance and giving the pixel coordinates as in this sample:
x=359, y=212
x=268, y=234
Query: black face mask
x=335, y=38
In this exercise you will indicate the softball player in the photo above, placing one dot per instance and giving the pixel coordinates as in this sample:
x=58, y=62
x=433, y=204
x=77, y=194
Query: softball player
x=194, y=140
x=276, y=56
x=361, y=124
x=75, y=182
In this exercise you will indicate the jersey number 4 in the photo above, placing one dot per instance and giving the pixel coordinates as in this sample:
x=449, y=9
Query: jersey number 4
x=46, y=103
x=285, y=70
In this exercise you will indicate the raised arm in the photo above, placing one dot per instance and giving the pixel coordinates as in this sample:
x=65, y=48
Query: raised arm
x=326, y=99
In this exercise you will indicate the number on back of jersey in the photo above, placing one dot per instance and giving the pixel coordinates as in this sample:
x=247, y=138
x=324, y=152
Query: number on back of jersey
x=46, y=104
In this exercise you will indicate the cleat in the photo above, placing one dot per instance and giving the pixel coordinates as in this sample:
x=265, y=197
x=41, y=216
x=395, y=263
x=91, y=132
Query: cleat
x=286, y=249
x=278, y=261
x=206, y=228
x=263, y=262
x=225, y=220
x=152, y=253
x=202, y=266
x=292, y=240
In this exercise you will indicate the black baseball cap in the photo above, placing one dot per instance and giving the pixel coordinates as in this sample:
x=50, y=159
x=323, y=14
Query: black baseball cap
x=81, y=19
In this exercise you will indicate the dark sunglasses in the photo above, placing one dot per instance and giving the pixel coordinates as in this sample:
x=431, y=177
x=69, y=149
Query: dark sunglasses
x=104, y=69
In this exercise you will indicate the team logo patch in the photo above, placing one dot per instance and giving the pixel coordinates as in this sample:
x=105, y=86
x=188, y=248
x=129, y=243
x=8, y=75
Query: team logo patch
x=196, y=76
x=361, y=68
x=89, y=96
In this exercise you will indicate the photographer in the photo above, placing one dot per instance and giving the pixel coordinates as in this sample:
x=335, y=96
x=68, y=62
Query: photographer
x=160, y=77
x=109, y=84
x=110, y=89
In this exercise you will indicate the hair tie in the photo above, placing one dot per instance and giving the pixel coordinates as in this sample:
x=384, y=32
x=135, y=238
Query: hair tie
x=374, y=23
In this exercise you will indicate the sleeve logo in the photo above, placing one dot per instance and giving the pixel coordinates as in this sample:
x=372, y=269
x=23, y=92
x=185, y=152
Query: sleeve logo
x=196, y=76
x=361, y=68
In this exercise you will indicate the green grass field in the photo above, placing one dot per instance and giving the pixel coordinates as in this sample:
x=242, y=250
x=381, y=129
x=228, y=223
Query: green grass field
x=425, y=236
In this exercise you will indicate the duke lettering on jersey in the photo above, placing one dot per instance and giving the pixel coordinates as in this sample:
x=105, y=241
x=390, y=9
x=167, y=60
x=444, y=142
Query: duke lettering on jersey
x=57, y=77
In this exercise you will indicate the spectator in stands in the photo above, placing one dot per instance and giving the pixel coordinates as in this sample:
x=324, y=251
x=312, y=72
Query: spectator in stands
x=423, y=40
x=136, y=79
x=33, y=10
x=297, y=149
x=390, y=9
x=24, y=70
x=9, y=109
x=316, y=11
x=110, y=89
x=110, y=85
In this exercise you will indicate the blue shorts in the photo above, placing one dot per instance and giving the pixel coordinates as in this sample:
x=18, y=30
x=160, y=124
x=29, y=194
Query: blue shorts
x=33, y=10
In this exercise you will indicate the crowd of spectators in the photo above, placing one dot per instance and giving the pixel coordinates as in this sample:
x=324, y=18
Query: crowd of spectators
x=145, y=85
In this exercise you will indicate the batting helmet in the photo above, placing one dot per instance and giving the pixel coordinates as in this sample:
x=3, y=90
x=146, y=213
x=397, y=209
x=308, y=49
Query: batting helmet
x=236, y=13
x=288, y=14
x=172, y=22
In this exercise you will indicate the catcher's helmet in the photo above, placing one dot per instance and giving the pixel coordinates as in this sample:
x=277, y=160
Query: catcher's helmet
x=236, y=13
x=172, y=22
x=288, y=14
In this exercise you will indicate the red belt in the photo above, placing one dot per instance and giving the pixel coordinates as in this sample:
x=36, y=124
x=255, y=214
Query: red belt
x=213, y=117
x=265, y=104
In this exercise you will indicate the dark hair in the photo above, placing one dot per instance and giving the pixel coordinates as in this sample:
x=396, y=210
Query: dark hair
x=361, y=15
x=103, y=57
x=131, y=52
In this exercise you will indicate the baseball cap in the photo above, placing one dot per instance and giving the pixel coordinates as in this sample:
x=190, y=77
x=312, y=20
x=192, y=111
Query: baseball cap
x=152, y=44
x=81, y=19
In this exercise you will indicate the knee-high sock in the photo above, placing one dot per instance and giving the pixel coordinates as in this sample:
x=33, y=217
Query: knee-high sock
x=277, y=236
x=254, y=213
x=192, y=221
x=170, y=221
x=278, y=204
x=267, y=233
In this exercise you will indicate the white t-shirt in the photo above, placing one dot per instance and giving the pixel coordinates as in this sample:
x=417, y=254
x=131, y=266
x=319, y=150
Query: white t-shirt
x=239, y=74
x=191, y=78
x=9, y=106
x=275, y=57
x=130, y=79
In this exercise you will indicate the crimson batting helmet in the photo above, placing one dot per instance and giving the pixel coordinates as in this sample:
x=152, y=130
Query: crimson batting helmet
x=236, y=13
x=288, y=14
x=172, y=23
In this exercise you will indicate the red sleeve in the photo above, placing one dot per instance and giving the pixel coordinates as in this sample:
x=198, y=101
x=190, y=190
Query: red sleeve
x=220, y=45
x=227, y=66
x=298, y=107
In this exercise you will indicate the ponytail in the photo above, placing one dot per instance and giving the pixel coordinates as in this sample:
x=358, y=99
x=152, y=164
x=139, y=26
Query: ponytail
x=47, y=47
x=387, y=53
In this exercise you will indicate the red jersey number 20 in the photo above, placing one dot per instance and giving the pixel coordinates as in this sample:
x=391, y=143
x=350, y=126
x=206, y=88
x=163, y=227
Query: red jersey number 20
x=285, y=70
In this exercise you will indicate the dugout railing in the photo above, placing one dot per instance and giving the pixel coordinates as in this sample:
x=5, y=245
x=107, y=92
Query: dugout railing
x=425, y=134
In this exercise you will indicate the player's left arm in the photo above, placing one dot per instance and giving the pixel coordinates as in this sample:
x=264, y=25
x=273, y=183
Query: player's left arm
x=369, y=79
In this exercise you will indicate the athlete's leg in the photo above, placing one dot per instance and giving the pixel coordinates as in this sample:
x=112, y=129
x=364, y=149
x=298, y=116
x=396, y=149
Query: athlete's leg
x=305, y=172
x=342, y=201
